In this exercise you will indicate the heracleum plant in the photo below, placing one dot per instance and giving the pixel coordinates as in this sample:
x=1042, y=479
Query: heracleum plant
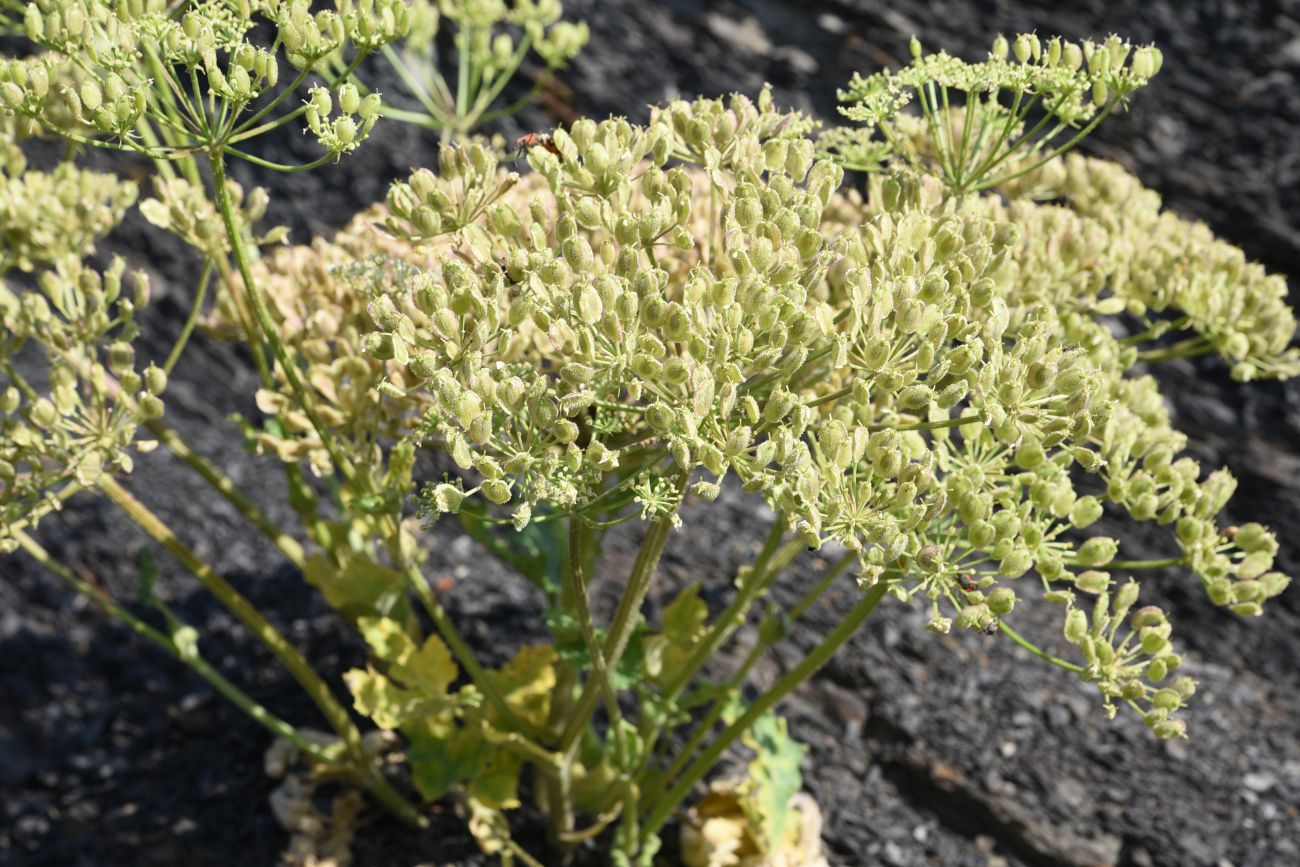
x=924, y=380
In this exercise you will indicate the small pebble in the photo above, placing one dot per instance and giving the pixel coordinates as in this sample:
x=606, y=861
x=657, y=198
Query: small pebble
x=1259, y=781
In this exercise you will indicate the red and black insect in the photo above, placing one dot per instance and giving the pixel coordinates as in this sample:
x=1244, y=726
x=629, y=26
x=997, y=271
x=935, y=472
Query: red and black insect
x=534, y=140
x=966, y=582
x=992, y=628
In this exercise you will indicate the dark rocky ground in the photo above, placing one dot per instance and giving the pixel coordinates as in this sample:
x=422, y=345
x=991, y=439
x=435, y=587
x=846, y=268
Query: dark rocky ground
x=954, y=751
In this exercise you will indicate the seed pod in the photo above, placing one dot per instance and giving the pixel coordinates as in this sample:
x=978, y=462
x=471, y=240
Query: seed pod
x=974, y=616
x=1076, y=626
x=661, y=417
x=155, y=380
x=447, y=498
x=1002, y=600
x=1016, y=563
x=929, y=558
x=1097, y=551
x=1092, y=581
x=1169, y=729
x=497, y=491
x=916, y=397
x=150, y=407
x=779, y=405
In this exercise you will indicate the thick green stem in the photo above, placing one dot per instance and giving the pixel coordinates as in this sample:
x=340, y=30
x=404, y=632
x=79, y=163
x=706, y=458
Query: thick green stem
x=575, y=567
x=624, y=622
x=264, y=320
x=288, y=545
x=765, y=640
x=783, y=687
x=238, y=697
x=752, y=581
x=293, y=661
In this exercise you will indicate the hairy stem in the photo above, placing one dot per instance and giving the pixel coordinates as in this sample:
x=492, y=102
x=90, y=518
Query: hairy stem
x=264, y=321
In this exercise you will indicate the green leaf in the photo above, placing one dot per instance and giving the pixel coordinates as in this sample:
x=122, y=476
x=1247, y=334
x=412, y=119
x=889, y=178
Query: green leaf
x=359, y=588
x=429, y=669
x=774, y=777
x=527, y=682
x=387, y=640
x=683, y=625
x=685, y=616
x=380, y=699
x=442, y=756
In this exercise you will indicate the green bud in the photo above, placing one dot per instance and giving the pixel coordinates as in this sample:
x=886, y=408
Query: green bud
x=661, y=417
x=150, y=407
x=155, y=380
x=1086, y=511
x=447, y=498
x=1152, y=642
x=1097, y=551
x=1147, y=616
x=12, y=96
x=577, y=252
x=973, y=616
x=497, y=491
x=1016, y=563
x=1157, y=669
x=1255, y=537
x=779, y=405
x=1092, y=581
x=916, y=397
x=1076, y=626
x=1002, y=600
x=981, y=534
x=1169, y=729
x=929, y=558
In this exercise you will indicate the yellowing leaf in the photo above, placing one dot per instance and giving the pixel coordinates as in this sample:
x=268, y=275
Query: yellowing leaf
x=774, y=778
x=379, y=698
x=430, y=668
x=358, y=588
x=387, y=640
x=683, y=624
x=527, y=682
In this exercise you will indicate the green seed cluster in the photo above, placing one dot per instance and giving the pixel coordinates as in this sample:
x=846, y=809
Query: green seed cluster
x=555, y=41
x=104, y=60
x=923, y=378
x=924, y=375
x=1114, y=237
x=54, y=443
x=1069, y=80
x=987, y=123
x=48, y=216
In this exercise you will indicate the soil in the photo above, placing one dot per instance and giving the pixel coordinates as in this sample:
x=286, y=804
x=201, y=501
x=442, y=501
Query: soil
x=924, y=750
